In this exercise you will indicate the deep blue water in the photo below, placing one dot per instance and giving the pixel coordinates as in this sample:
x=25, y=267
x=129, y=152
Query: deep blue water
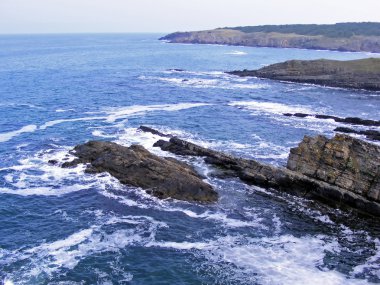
x=61, y=226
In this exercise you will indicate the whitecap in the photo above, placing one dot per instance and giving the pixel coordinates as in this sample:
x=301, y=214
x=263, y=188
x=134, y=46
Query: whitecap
x=52, y=257
x=272, y=107
x=9, y=135
x=236, y=52
x=225, y=82
x=60, y=121
x=114, y=114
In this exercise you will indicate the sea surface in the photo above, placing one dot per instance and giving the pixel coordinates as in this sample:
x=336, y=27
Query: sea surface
x=62, y=226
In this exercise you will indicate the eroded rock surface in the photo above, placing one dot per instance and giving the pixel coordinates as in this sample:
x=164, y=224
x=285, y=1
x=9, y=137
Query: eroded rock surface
x=136, y=166
x=343, y=161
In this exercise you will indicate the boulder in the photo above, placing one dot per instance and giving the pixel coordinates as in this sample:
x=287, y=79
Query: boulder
x=136, y=166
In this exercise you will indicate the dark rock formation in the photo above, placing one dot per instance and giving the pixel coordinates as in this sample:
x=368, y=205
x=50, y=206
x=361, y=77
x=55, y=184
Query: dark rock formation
x=370, y=134
x=153, y=131
x=343, y=161
x=161, y=177
x=356, y=186
x=356, y=74
x=339, y=37
x=348, y=120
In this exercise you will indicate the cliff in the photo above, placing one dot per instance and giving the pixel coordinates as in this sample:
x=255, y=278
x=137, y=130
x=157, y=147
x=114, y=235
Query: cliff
x=357, y=74
x=340, y=37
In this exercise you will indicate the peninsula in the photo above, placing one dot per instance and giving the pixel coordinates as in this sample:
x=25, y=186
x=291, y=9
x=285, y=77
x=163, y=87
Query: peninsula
x=353, y=37
x=356, y=74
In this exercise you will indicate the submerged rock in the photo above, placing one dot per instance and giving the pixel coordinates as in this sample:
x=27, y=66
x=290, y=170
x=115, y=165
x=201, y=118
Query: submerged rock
x=136, y=166
x=343, y=171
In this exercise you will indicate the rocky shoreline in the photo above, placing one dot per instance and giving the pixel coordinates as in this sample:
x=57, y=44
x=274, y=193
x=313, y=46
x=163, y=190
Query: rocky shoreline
x=354, y=74
x=342, y=171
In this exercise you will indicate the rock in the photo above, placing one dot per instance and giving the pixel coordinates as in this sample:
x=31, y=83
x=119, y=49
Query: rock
x=53, y=161
x=355, y=74
x=136, y=166
x=176, y=70
x=342, y=161
x=343, y=171
x=370, y=134
x=348, y=120
x=301, y=115
x=153, y=131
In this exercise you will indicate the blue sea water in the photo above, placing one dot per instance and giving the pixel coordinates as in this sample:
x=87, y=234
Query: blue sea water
x=62, y=226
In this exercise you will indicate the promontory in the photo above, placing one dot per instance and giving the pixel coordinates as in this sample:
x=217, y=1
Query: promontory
x=352, y=37
x=356, y=74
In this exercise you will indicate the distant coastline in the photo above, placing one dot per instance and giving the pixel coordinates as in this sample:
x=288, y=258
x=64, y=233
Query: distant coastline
x=347, y=37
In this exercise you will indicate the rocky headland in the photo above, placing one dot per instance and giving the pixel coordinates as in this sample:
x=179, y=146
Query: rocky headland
x=356, y=74
x=352, y=37
x=342, y=171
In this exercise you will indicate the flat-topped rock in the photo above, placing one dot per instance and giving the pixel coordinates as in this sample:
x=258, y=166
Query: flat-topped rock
x=356, y=74
x=136, y=166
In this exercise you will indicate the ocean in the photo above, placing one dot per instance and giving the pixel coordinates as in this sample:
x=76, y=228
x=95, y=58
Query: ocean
x=62, y=226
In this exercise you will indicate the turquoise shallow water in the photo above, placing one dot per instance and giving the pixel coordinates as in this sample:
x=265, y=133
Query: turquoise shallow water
x=61, y=226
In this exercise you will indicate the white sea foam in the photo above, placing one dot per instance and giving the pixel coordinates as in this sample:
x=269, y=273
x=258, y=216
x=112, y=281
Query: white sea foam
x=220, y=82
x=9, y=135
x=60, y=121
x=114, y=114
x=35, y=176
x=272, y=107
x=278, y=260
x=52, y=257
x=237, y=52
x=372, y=264
x=64, y=110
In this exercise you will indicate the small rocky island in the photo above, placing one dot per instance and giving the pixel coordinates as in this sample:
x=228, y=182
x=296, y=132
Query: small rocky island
x=356, y=74
x=340, y=37
x=342, y=171
x=136, y=166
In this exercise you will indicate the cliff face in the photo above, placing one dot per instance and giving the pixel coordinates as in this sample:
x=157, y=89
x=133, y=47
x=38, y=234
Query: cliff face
x=343, y=161
x=277, y=40
x=357, y=74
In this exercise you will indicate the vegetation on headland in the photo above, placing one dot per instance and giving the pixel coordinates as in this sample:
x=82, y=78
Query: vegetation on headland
x=339, y=30
x=341, y=37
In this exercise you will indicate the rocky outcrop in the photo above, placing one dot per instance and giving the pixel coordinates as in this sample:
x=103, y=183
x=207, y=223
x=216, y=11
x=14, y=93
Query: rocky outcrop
x=348, y=120
x=355, y=166
x=136, y=166
x=280, y=38
x=369, y=134
x=356, y=74
x=343, y=161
